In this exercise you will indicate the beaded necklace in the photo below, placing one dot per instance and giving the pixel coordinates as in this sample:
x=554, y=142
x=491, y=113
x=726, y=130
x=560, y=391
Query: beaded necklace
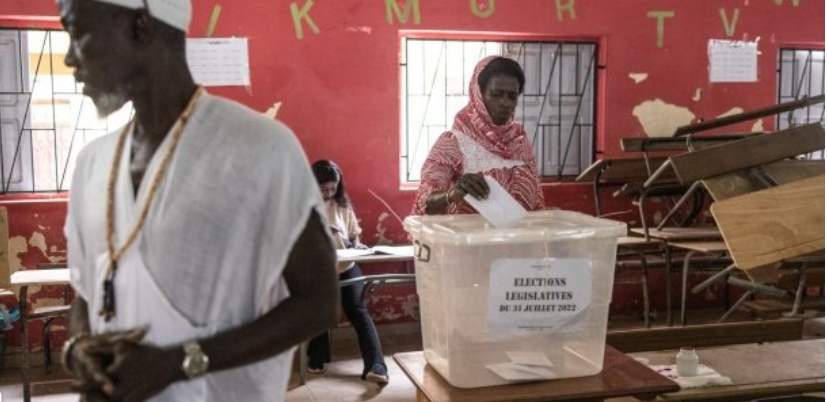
x=108, y=310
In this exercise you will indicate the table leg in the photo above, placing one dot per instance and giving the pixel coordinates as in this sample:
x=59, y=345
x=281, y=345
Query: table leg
x=684, y=281
x=303, y=362
x=24, y=342
x=667, y=253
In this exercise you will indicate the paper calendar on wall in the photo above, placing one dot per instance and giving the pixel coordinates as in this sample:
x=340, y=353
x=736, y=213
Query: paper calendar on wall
x=219, y=62
x=733, y=61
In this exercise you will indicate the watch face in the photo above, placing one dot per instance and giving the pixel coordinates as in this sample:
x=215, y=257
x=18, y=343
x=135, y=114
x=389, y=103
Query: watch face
x=196, y=362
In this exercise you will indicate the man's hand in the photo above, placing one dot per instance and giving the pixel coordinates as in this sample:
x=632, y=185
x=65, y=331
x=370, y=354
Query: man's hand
x=140, y=372
x=469, y=183
x=90, y=357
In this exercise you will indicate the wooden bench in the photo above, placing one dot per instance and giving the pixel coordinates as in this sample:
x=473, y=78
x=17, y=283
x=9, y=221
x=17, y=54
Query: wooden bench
x=687, y=143
x=641, y=340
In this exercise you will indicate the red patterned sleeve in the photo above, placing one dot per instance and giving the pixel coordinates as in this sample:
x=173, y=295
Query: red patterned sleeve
x=443, y=164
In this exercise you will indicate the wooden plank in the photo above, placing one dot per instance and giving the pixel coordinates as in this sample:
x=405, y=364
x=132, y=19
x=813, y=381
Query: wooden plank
x=666, y=338
x=621, y=376
x=680, y=144
x=5, y=264
x=781, y=172
x=772, y=225
x=700, y=246
x=752, y=151
x=621, y=170
x=749, y=115
x=673, y=234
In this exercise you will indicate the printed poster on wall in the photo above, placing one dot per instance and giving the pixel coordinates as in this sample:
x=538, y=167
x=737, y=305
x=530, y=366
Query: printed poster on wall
x=538, y=295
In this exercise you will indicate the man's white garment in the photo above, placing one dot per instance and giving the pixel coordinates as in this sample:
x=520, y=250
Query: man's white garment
x=210, y=257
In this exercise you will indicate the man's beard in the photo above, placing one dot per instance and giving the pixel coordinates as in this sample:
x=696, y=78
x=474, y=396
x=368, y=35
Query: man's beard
x=110, y=102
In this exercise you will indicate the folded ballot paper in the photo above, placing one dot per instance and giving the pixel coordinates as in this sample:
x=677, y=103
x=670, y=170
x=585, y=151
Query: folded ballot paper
x=524, y=366
x=500, y=208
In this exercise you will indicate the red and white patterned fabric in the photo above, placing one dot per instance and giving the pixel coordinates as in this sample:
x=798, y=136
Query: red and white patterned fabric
x=477, y=145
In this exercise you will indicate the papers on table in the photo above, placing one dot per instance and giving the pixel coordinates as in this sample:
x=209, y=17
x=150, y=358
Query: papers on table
x=353, y=254
x=500, y=208
x=394, y=250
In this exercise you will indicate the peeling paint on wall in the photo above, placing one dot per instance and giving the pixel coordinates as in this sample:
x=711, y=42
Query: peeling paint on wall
x=638, y=77
x=273, y=111
x=661, y=119
x=39, y=240
x=758, y=126
x=380, y=231
x=733, y=111
x=17, y=246
x=363, y=29
x=697, y=96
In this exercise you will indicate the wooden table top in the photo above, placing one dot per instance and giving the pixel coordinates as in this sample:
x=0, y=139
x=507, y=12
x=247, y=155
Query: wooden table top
x=41, y=277
x=621, y=376
x=756, y=370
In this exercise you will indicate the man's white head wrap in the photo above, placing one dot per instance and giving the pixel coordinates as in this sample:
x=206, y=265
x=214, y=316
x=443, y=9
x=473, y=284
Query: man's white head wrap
x=177, y=13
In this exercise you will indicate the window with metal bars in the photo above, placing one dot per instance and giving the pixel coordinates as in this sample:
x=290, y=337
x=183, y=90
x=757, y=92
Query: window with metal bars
x=801, y=74
x=557, y=107
x=44, y=118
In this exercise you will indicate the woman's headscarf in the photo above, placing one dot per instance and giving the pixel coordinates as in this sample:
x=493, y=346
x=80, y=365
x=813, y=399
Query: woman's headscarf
x=474, y=121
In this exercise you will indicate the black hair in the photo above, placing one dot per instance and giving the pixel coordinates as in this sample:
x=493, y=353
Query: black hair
x=327, y=171
x=501, y=66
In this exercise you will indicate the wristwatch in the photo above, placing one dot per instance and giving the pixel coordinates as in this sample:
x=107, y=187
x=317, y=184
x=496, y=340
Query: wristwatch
x=196, y=362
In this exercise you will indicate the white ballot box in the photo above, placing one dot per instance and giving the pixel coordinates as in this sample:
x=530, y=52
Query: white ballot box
x=527, y=303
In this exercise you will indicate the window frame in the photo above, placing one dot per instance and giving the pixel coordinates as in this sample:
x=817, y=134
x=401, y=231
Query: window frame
x=51, y=67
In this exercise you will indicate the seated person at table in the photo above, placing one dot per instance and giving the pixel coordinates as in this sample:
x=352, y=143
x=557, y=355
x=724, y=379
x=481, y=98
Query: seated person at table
x=346, y=231
x=485, y=140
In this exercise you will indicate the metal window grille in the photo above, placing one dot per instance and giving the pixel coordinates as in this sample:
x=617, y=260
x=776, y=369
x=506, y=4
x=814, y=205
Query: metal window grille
x=801, y=74
x=45, y=118
x=557, y=107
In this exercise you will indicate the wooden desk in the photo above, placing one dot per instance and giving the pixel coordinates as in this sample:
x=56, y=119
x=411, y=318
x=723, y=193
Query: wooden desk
x=24, y=279
x=692, y=248
x=667, y=235
x=757, y=370
x=621, y=376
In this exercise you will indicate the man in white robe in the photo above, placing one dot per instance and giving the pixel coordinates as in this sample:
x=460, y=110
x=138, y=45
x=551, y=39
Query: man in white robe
x=232, y=265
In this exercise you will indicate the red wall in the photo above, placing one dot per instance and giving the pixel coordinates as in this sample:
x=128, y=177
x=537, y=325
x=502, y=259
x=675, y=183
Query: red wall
x=340, y=93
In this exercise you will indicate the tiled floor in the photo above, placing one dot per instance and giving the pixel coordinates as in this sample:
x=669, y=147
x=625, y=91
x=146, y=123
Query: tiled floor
x=341, y=382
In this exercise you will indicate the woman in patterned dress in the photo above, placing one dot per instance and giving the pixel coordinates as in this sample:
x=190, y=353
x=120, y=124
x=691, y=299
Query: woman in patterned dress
x=484, y=141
